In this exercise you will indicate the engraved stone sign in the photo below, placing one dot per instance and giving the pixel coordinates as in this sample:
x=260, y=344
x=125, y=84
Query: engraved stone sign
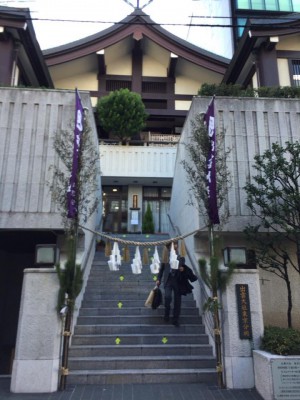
x=244, y=311
x=286, y=378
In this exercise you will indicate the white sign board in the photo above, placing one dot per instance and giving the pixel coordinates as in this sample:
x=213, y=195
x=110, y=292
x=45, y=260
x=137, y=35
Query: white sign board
x=134, y=217
x=286, y=378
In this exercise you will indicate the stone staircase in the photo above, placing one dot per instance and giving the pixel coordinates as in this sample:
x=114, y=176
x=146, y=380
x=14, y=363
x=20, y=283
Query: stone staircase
x=118, y=340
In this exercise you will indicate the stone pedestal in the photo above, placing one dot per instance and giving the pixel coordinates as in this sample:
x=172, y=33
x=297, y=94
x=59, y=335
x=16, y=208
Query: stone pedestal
x=276, y=377
x=238, y=357
x=37, y=356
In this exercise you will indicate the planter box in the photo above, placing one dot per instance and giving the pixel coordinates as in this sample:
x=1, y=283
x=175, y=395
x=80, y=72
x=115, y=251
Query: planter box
x=277, y=377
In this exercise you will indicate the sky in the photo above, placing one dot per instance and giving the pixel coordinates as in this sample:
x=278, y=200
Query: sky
x=90, y=16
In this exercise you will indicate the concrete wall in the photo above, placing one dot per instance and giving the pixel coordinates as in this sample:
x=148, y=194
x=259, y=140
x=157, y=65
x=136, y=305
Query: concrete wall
x=137, y=161
x=250, y=126
x=29, y=120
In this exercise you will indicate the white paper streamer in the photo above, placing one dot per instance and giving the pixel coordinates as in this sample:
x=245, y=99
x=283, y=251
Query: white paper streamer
x=155, y=262
x=136, y=265
x=174, y=263
x=115, y=258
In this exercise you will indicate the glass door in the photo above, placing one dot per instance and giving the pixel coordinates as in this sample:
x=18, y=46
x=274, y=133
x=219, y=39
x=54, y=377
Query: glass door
x=115, y=209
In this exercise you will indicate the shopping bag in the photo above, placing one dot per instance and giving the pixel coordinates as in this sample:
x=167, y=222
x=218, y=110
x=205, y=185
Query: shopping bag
x=148, y=302
x=157, y=298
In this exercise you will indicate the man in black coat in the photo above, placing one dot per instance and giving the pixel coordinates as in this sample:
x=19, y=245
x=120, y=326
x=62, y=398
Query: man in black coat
x=171, y=286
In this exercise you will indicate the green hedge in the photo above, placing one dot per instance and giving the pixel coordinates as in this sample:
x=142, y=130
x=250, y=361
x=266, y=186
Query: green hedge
x=282, y=341
x=287, y=92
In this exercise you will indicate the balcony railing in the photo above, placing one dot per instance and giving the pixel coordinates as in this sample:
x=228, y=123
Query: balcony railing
x=147, y=139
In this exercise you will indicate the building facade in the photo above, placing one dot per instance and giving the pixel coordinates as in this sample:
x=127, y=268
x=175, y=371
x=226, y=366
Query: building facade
x=22, y=62
x=242, y=10
x=167, y=72
x=268, y=53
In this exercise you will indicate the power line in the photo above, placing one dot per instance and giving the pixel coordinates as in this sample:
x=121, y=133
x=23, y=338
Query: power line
x=189, y=25
x=159, y=24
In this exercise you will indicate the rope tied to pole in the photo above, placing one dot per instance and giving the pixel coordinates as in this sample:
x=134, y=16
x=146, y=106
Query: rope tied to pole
x=64, y=371
x=135, y=243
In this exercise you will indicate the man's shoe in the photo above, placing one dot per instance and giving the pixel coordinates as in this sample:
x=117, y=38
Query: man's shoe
x=176, y=323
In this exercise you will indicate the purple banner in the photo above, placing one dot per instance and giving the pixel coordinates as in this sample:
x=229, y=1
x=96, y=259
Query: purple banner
x=209, y=119
x=72, y=189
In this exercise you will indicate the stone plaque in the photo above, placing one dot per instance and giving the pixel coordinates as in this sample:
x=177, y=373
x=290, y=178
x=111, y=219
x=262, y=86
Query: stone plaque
x=286, y=378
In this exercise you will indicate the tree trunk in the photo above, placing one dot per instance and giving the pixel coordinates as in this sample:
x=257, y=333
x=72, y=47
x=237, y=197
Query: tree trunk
x=289, y=290
x=290, y=304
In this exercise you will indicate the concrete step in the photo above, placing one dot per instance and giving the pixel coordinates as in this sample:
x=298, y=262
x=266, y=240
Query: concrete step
x=123, y=296
x=114, y=329
x=140, y=350
x=131, y=311
x=145, y=362
x=154, y=319
x=186, y=302
x=135, y=339
x=105, y=377
x=119, y=340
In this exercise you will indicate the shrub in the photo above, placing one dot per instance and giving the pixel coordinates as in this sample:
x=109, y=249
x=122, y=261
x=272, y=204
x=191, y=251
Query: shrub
x=148, y=223
x=122, y=113
x=237, y=90
x=282, y=341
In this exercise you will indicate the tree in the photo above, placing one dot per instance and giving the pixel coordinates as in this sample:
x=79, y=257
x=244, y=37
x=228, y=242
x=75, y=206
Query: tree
x=196, y=170
x=273, y=196
x=122, y=113
x=148, y=223
x=70, y=276
x=88, y=173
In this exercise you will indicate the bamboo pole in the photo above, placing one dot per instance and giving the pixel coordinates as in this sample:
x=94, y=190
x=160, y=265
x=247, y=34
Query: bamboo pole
x=216, y=317
x=69, y=315
x=66, y=343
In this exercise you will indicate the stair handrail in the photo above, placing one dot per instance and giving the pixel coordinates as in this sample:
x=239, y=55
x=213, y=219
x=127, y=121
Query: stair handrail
x=92, y=244
x=207, y=317
x=84, y=264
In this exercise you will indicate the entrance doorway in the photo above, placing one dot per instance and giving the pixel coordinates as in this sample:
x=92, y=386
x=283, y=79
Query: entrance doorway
x=159, y=200
x=115, y=209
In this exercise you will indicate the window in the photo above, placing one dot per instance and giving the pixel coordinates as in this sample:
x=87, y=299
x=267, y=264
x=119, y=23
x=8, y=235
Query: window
x=258, y=5
x=242, y=257
x=112, y=85
x=154, y=87
x=269, y=5
x=243, y=4
x=295, y=72
x=241, y=23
